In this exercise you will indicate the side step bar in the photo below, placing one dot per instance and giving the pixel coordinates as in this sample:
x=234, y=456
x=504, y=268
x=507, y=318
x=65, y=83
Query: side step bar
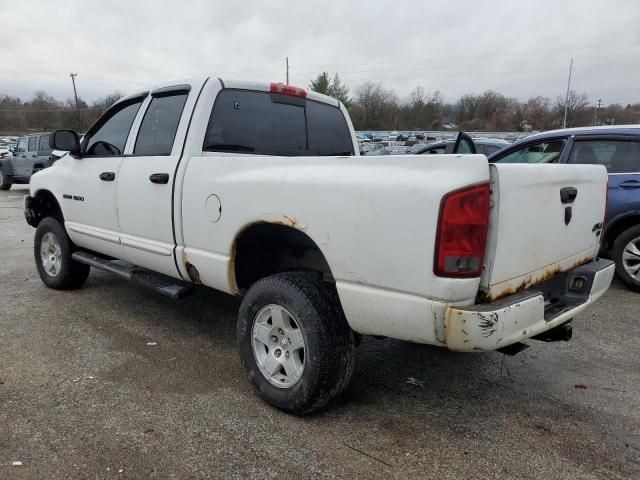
x=163, y=284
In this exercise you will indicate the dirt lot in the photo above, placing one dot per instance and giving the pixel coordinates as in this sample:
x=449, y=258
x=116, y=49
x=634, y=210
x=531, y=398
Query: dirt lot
x=83, y=395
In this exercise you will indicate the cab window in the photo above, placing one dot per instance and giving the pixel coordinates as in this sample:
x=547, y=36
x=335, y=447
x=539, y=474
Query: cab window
x=22, y=145
x=541, y=152
x=109, y=136
x=33, y=144
x=159, y=125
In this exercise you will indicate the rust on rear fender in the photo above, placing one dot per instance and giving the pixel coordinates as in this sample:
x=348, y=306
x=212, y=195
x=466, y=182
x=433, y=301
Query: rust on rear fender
x=286, y=221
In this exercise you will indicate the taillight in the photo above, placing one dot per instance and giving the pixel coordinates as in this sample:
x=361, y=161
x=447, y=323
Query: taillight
x=462, y=232
x=283, y=89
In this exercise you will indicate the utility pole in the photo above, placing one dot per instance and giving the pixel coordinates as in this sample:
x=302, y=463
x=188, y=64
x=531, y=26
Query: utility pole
x=287, y=62
x=566, y=100
x=598, y=112
x=75, y=94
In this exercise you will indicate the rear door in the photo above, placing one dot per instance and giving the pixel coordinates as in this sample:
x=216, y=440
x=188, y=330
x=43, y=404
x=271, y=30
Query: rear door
x=44, y=152
x=146, y=180
x=32, y=155
x=544, y=219
x=20, y=158
x=620, y=154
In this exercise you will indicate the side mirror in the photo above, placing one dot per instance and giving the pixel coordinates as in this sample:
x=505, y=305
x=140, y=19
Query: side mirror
x=66, y=140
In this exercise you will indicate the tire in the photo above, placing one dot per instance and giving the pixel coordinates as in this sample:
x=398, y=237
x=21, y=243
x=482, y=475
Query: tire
x=52, y=251
x=625, y=250
x=5, y=180
x=328, y=352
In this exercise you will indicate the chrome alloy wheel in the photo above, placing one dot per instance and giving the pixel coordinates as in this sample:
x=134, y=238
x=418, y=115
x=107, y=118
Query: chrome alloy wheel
x=278, y=346
x=51, y=254
x=631, y=258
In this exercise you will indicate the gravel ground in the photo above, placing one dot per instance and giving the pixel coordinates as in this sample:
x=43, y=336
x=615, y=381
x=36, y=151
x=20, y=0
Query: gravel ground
x=83, y=395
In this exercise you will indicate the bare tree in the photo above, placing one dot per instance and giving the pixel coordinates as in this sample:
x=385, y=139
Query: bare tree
x=575, y=104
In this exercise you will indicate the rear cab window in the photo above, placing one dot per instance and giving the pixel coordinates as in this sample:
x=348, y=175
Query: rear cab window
x=264, y=123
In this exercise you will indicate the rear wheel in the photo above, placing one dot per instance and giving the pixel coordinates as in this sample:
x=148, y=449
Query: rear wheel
x=626, y=254
x=52, y=250
x=5, y=180
x=295, y=343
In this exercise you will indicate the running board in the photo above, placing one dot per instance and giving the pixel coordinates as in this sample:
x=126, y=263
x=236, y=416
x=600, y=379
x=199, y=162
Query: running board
x=163, y=284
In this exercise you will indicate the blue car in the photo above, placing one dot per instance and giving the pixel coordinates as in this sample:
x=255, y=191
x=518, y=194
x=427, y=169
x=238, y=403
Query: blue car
x=618, y=149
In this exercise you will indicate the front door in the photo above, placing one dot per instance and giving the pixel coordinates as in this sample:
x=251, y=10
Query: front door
x=146, y=181
x=89, y=183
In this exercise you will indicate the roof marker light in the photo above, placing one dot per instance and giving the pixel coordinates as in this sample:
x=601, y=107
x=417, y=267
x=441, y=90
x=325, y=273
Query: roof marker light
x=283, y=89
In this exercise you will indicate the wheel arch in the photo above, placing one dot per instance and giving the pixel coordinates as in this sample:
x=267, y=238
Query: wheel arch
x=618, y=225
x=45, y=204
x=6, y=165
x=264, y=248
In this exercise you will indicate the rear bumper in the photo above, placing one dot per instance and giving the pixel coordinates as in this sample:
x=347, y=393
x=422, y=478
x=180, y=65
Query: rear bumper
x=528, y=313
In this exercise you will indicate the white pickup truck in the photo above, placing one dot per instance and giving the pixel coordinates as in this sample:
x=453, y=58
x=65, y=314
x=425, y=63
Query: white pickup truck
x=258, y=190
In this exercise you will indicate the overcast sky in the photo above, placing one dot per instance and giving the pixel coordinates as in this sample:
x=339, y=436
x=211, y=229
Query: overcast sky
x=518, y=48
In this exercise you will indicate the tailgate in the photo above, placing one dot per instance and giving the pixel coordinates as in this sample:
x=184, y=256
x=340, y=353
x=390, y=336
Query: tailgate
x=536, y=227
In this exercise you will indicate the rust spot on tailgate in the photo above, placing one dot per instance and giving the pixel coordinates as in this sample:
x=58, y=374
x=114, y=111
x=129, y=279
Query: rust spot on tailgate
x=194, y=275
x=530, y=281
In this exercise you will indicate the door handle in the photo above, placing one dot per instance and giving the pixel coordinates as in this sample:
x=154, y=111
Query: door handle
x=159, y=178
x=107, y=176
x=568, y=194
x=630, y=184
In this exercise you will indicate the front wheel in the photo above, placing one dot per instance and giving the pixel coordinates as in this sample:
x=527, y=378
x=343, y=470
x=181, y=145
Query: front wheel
x=5, y=180
x=52, y=250
x=295, y=343
x=626, y=254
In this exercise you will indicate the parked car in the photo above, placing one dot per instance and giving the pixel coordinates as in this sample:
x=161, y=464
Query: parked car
x=486, y=146
x=258, y=190
x=618, y=149
x=31, y=155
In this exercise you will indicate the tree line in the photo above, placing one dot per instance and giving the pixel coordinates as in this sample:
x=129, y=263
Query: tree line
x=372, y=106
x=44, y=113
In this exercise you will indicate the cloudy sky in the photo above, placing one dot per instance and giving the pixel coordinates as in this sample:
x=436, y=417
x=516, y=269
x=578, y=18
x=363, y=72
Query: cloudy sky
x=518, y=48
